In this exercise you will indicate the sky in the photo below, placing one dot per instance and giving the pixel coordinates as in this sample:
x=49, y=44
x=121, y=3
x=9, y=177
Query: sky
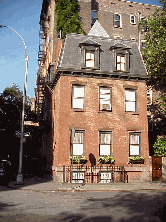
x=23, y=16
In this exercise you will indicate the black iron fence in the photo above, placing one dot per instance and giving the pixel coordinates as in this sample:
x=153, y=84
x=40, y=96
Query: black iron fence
x=95, y=174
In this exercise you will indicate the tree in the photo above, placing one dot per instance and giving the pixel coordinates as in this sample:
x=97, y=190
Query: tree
x=68, y=16
x=11, y=102
x=160, y=147
x=155, y=52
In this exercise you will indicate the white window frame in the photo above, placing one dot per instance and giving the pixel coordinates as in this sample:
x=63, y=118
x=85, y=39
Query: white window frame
x=120, y=63
x=135, y=145
x=105, y=145
x=132, y=23
x=78, y=98
x=120, y=20
x=131, y=101
x=78, y=143
x=89, y=57
x=104, y=101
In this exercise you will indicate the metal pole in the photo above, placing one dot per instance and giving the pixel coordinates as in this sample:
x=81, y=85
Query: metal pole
x=19, y=176
x=72, y=140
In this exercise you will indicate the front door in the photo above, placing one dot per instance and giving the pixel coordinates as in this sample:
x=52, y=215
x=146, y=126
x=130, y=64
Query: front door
x=156, y=168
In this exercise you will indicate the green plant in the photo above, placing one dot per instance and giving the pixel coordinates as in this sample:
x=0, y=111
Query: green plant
x=77, y=159
x=160, y=147
x=106, y=159
x=136, y=158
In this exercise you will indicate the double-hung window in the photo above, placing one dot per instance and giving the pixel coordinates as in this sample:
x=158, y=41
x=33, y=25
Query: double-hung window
x=132, y=19
x=78, y=143
x=120, y=62
x=105, y=143
x=117, y=20
x=105, y=98
x=130, y=100
x=78, y=97
x=90, y=59
x=135, y=144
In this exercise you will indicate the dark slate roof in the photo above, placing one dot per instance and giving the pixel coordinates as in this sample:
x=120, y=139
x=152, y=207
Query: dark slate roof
x=71, y=57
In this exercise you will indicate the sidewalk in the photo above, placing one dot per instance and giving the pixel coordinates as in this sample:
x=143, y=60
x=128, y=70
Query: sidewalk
x=51, y=186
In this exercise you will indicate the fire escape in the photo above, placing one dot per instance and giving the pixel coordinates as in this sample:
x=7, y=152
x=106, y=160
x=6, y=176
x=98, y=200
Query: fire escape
x=40, y=77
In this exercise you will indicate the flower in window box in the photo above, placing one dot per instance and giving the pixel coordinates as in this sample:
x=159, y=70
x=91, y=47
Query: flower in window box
x=136, y=160
x=106, y=159
x=78, y=159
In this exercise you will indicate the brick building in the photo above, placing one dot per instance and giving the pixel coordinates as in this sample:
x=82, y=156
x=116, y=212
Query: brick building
x=62, y=72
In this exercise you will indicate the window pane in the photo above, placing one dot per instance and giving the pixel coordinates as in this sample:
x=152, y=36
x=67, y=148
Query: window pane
x=90, y=63
x=78, y=91
x=134, y=139
x=118, y=58
x=117, y=17
x=104, y=91
x=122, y=67
x=77, y=149
x=105, y=138
x=92, y=56
x=122, y=59
x=130, y=95
x=117, y=23
x=78, y=103
x=78, y=138
x=94, y=14
x=130, y=106
x=118, y=66
x=88, y=55
x=134, y=150
x=104, y=149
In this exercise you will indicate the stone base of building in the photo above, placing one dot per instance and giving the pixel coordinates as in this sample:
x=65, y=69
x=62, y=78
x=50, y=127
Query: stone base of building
x=102, y=174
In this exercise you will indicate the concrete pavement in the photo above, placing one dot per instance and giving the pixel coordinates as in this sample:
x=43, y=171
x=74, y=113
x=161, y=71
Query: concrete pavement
x=51, y=186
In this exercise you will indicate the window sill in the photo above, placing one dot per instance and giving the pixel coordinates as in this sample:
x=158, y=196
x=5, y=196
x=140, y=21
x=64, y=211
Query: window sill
x=107, y=111
x=131, y=113
x=132, y=23
x=78, y=110
x=117, y=27
x=91, y=68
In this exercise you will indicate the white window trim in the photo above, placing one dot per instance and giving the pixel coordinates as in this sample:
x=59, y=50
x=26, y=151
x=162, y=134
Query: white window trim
x=135, y=101
x=115, y=26
x=110, y=89
x=78, y=86
x=135, y=133
x=100, y=144
x=132, y=23
x=83, y=135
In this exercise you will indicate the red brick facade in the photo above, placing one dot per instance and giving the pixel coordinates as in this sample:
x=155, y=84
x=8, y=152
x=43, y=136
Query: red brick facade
x=92, y=120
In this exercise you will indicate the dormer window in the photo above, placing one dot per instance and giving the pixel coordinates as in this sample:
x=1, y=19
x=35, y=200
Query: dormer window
x=120, y=53
x=90, y=54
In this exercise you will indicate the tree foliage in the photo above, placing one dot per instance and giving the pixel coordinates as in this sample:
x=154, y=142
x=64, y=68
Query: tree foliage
x=160, y=147
x=155, y=52
x=68, y=16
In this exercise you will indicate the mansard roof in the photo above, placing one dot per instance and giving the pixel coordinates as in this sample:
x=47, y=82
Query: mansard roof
x=71, y=58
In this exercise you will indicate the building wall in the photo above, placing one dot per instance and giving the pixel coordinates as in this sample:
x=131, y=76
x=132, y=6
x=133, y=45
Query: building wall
x=106, y=10
x=92, y=120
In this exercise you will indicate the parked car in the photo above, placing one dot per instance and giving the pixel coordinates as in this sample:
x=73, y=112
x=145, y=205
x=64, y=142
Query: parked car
x=5, y=172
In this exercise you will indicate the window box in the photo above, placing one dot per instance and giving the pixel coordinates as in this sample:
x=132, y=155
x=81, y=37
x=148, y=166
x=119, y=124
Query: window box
x=106, y=159
x=136, y=160
x=78, y=159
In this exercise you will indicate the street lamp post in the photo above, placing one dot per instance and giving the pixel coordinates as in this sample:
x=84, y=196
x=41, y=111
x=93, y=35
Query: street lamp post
x=19, y=176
